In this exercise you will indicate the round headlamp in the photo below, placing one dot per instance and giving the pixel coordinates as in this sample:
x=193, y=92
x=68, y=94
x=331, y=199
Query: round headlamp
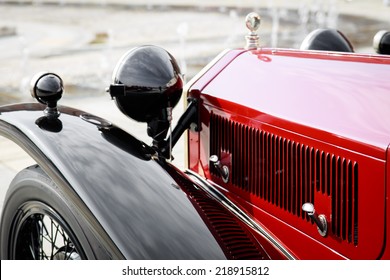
x=145, y=81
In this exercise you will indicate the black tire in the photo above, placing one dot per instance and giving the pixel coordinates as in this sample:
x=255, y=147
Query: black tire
x=38, y=222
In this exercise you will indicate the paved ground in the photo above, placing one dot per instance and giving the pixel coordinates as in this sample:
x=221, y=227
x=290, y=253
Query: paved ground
x=81, y=40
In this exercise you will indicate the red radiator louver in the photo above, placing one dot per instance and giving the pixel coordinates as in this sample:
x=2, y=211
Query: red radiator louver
x=286, y=173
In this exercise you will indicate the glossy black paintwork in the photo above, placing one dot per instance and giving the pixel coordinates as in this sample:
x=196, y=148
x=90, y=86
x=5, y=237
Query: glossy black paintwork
x=327, y=40
x=384, y=44
x=139, y=205
x=47, y=88
x=147, y=80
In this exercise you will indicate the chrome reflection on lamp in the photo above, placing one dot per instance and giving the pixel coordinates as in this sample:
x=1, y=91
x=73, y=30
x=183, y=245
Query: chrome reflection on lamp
x=252, y=22
x=319, y=220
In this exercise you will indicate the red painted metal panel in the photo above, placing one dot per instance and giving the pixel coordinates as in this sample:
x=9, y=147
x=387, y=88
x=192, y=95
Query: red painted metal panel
x=296, y=127
x=348, y=182
x=347, y=99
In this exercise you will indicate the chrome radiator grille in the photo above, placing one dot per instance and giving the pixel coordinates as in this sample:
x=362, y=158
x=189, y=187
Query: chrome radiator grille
x=286, y=173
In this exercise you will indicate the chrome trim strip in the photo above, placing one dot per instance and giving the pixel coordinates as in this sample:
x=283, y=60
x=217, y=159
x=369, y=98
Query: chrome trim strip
x=238, y=212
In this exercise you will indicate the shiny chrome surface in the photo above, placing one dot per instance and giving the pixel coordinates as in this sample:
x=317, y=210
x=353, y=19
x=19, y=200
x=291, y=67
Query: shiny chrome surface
x=222, y=169
x=252, y=22
x=319, y=220
x=99, y=122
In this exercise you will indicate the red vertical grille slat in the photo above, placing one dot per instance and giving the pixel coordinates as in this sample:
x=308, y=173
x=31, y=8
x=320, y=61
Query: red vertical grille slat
x=239, y=154
x=233, y=151
x=279, y=161
x=305, y=177
x=317, y=168
x=350, y=201
x=295, y=180
x=256, y=162
x=269, y=167
x=282, y=174
x=273, y=184
x=263, y=165
x=286, y=174
x=330, y=174
x=289, y=176
x=355, y=204
x=252, y=179
x=312, y=180
x=336, y=198
x=266, y=166
x=246, y=156
x=344, y=201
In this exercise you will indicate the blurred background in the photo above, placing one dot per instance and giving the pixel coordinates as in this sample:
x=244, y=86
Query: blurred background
x=82, y=40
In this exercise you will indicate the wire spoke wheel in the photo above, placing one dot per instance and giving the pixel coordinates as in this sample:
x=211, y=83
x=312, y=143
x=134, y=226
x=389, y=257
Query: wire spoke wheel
x=39, y=233
x=40, y=222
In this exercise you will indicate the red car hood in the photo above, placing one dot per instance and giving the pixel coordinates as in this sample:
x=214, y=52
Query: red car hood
x=349, y=95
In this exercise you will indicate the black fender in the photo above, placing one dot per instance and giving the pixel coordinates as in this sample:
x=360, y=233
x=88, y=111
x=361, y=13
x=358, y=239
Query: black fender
x=134, y=207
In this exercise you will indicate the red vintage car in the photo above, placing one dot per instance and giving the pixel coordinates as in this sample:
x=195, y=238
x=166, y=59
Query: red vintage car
x=287, y=154
x=299, y=140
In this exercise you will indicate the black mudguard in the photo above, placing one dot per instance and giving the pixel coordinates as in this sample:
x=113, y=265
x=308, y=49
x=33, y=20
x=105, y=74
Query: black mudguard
x=135, y=209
